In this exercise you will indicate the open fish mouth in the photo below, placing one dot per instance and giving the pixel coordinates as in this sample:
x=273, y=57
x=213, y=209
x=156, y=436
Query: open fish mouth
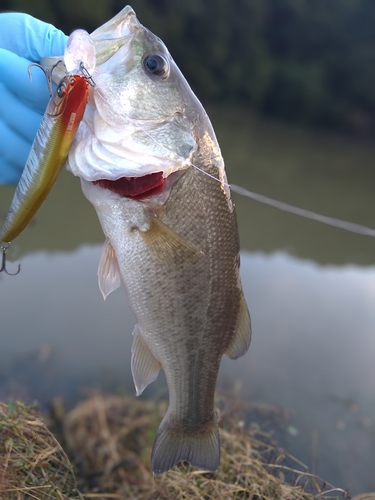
x=135, y=188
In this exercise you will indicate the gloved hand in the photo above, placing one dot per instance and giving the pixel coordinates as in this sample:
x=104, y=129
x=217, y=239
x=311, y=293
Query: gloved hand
x=23, y=39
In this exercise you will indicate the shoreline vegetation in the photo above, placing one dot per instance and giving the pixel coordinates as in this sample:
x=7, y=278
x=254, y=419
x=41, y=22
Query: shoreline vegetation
x=109, y=440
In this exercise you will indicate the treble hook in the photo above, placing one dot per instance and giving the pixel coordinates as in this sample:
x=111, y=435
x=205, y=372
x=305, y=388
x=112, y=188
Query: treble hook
x=86, y=74
x=4, y=249
x=47, y=72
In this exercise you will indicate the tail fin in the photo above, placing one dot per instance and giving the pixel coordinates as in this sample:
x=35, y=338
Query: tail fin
x=173, y=444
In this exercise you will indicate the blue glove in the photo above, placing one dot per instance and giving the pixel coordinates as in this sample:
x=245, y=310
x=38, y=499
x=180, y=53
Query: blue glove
x=23, y=39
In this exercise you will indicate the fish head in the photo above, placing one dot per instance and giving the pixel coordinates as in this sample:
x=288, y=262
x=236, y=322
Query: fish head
x=140, y=81
x=142, y=116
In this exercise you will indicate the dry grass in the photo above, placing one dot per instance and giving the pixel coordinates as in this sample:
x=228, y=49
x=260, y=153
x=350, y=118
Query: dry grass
x=32, y=463
x=110, y=438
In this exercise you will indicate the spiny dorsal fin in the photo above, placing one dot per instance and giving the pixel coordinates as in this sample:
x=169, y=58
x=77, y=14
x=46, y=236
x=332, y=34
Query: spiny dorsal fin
x=241, y=340
x=145, y=367
x=108, y=270
x=169, y=247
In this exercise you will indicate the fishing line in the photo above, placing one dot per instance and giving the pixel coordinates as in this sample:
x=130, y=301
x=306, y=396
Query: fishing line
x=307, y=214
x=280, y=205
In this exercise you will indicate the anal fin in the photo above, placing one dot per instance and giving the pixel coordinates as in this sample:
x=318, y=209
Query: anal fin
x=108, y=270
x=145, y=367
x=241, y=340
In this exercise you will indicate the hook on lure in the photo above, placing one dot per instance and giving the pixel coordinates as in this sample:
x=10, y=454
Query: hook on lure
x=3, y=267
x=47, y=72
x=86, y=74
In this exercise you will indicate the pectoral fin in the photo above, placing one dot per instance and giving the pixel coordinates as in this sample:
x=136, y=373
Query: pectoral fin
x=108, y=270
x=241, y=340
x=168, y=246
x=145, y=367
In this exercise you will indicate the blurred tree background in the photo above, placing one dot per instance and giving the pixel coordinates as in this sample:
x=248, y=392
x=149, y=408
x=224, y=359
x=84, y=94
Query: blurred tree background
x=307, y=61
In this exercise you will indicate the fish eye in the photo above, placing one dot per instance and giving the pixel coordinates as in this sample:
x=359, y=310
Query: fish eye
x=156, y=65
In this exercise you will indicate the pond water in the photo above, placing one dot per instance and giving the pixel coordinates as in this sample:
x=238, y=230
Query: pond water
x=310, y=290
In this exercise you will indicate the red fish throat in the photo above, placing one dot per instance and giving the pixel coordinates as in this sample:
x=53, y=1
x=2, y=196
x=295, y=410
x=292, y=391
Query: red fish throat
x=136, y=188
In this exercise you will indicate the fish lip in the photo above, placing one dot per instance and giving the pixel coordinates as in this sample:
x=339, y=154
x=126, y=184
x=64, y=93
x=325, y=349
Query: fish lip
x=124, y=23
x=135, y=188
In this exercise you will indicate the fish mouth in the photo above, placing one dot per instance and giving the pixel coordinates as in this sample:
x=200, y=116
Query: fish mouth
x=135, y=188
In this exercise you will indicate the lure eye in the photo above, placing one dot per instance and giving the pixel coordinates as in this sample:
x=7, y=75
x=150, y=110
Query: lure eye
x=61, y=89
x=156, y=65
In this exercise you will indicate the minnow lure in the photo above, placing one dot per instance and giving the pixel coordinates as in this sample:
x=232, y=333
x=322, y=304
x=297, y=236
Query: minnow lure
x=54, y=137
x=49, y=150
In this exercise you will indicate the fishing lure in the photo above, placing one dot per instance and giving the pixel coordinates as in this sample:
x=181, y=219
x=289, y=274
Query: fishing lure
x=48, y=152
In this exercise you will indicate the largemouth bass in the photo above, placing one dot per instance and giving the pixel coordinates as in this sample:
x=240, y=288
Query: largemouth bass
x=150, y=164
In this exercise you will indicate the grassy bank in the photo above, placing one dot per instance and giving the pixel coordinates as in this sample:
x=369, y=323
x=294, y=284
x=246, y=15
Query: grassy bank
x=109, y=440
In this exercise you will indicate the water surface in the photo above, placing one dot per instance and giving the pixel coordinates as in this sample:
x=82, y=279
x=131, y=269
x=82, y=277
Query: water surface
x=310, y=290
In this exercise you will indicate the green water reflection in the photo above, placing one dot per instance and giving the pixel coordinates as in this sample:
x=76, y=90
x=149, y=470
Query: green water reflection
x=325, y=173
